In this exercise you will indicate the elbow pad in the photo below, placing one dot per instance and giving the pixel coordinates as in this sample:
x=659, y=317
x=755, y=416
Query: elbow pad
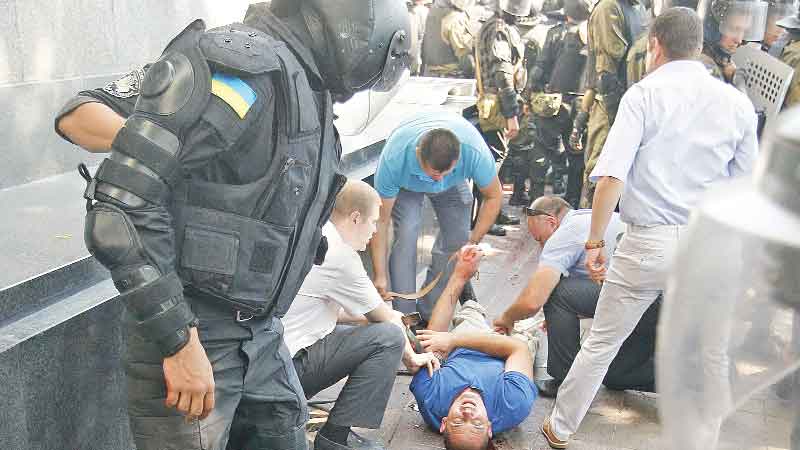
x=154, y=300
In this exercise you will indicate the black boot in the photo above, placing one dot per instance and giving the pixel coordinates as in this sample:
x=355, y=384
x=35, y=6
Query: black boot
x=506, y=219
x=519, y=197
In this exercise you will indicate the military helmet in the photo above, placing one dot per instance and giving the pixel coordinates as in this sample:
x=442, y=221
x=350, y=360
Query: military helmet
x=743, y=20
x=578, y=10
x=519, y=8
x=461, y=5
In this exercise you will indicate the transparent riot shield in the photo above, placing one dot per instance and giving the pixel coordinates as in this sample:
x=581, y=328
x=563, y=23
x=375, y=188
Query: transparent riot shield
x=734, y=21
x=729, y=337
x=354, y=115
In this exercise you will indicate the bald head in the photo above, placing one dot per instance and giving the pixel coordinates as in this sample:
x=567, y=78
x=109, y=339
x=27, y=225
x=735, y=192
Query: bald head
x=551, y=205
x=356, y=196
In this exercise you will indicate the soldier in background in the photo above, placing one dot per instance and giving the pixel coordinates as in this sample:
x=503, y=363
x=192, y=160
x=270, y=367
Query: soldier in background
x=638, y=52
x=500, y=54
x=447, y=45
x=614, y=26
x=726, y=24
x=554, y=80
x=787, y=49
x=777, y=11
x=418, y=13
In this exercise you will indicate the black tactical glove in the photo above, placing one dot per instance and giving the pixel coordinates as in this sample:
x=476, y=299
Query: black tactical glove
x=578, y=131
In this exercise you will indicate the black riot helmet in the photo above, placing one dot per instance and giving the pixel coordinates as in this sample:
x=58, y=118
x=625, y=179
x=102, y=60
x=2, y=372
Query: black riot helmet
x=359, y=44
x=518, y=8
x=578, y=10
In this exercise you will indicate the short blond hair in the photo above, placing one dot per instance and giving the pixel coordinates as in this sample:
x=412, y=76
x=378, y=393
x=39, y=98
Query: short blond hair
x=356, y=195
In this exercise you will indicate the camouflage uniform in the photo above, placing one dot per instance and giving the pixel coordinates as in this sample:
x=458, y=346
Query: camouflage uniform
x=791, y=56
x=448, y=43
x=717, y=63
x=637, y=61
x=614, y=26
x=418, y=15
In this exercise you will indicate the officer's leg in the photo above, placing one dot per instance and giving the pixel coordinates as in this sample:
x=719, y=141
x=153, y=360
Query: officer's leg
x=272, y=412
x=452, y=208
x=574, y=178
x=519, y=170
x=538, y=165
x=407, y=220
x=572, y=299
x=597, y=133
x=156, y=427
x=368, y=355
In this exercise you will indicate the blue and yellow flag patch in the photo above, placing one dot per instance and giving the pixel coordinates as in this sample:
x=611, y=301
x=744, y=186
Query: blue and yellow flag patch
x=233, y=91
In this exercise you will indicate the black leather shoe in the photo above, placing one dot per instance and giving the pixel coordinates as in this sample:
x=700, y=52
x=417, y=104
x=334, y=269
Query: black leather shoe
x=354, y=441
x=505, y=219
x=547, y=388
x=497, y=230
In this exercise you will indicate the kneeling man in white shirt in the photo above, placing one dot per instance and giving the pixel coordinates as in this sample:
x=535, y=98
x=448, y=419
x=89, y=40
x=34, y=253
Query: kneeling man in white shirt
x=325, y=351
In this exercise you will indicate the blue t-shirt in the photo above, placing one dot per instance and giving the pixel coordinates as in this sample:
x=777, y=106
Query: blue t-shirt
x=508, y=396
x=565, y=250
x=398, y=167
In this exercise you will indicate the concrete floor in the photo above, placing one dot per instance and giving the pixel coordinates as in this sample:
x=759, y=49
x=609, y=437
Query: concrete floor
x=617, y=420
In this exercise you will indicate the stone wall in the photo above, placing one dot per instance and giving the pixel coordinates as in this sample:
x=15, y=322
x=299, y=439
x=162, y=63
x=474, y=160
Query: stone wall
x=51, y=49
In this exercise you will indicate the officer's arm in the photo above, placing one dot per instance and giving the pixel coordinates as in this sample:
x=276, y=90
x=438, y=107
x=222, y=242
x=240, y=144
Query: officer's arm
x=461, y=40
x=92, y=126
x=609, y=47
x=503, y=74
x=543, y=64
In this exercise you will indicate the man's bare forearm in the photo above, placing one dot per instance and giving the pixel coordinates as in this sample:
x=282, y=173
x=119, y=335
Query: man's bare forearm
x=445, y=306
x=534, y=296
x=606, y=196
x=486, y=217
x=492, y=344
x=378, y=248
x=92, y=126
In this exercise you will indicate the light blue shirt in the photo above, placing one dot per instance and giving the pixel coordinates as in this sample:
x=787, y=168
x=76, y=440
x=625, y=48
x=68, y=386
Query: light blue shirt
x=565, y=251
x=677, y=131
x=398, y=167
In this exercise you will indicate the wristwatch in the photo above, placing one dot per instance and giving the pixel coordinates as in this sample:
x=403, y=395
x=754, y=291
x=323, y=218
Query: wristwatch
x=594, y=244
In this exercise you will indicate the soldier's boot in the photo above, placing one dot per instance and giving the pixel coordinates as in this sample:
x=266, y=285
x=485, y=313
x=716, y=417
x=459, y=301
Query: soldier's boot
x=519, y=197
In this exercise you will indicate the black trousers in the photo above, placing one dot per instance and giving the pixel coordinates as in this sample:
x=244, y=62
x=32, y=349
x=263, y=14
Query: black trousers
x=368, y=355
x=575, y=298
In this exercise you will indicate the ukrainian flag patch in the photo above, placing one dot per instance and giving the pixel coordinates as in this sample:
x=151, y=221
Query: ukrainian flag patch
x=233, y=91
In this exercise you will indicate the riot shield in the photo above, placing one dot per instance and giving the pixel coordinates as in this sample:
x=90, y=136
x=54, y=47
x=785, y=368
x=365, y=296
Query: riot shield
x=730, y=325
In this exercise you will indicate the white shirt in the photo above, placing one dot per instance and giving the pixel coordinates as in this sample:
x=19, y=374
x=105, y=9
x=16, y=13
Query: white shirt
x=340, y=282
x=565, y=251
x=676, y=132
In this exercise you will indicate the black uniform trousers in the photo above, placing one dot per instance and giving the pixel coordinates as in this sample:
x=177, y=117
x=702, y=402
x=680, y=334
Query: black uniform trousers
x=575, y=298
x=260, y=404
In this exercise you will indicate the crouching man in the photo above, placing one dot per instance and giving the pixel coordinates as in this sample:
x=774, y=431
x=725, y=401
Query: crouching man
x=485, y=384
x=324, y=352
x=562, y=287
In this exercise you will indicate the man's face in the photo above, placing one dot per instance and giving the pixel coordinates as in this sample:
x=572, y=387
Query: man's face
x=773, y=32
x=467, y=423
x=364, y=227
x=542, y=227
x=733, y=31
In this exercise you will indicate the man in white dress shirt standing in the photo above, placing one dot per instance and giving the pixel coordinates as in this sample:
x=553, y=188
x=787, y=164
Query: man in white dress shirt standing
x=677, y=131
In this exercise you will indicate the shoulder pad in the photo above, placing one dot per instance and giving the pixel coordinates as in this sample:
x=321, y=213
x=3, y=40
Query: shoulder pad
x=240, y=49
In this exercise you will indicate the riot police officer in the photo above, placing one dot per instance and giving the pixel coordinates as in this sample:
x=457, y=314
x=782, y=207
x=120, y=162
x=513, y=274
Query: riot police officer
x=208, y=211
x=726, y=25
x=447, y=47
x=777, y=11
x=787, y=49
x=555, y=79
x=501, y=76
x=614, y=26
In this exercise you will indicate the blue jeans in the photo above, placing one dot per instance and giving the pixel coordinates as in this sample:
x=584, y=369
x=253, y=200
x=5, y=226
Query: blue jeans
x=453, y=209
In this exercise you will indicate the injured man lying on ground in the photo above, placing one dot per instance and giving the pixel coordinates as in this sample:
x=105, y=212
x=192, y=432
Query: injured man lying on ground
x=485, y=383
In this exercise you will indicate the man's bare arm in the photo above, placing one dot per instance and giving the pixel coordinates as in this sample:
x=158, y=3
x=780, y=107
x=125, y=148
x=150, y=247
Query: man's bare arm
x=606, y=196
x=515, y=352
x=490, y=208
x=92, y=126
x=379, y=246
x=530, y=300
x=468, y=260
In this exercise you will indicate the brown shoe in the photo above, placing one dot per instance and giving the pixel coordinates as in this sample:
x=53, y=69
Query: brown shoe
x=551, y=437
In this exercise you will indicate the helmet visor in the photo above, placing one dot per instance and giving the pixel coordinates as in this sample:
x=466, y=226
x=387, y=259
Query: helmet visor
x=744, y=21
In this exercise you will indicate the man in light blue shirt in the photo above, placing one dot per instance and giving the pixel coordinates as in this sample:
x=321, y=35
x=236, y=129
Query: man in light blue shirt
x=432, y=155
x=562, y=287
x=677, y=132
